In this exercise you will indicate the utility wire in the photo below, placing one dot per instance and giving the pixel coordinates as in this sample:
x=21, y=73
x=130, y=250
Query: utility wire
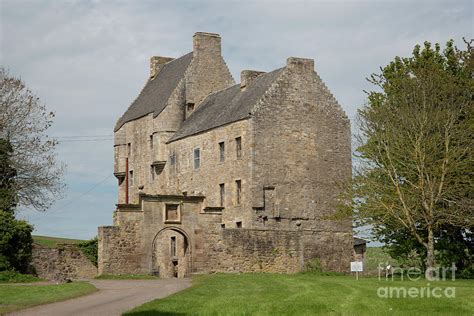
x=82, y=194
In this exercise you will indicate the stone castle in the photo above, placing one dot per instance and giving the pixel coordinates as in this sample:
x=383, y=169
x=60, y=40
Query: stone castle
x=215, y=176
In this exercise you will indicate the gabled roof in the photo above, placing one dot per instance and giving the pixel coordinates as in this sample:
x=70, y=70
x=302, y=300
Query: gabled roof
x=154, y=96
x=226, y=106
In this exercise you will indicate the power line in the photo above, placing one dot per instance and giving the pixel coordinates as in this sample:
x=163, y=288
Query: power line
x=83, y=136
x=82, y=194
x=85, y=140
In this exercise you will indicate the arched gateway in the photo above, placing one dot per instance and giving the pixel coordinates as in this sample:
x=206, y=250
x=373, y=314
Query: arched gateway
x=171, y=256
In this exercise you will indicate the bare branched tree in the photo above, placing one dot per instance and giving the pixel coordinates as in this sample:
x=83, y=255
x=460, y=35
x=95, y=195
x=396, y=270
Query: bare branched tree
x=24, y=122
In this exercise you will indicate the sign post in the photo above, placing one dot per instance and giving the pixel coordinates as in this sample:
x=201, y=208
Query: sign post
x=357, y=266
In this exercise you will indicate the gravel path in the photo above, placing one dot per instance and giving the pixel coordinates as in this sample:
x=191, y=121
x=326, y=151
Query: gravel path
x=113, y=298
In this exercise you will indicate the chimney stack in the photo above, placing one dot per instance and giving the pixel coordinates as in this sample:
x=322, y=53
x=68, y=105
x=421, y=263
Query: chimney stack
x=300, y=64
x=206, y=43
x=157, y=63
x=247, y=76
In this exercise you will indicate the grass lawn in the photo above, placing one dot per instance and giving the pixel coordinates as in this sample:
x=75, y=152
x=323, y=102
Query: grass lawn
x=14, y=297
x=126, y=277
x=52, y=242
x=305, y=294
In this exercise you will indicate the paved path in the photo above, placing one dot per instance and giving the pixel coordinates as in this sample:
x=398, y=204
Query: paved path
x=113, y=298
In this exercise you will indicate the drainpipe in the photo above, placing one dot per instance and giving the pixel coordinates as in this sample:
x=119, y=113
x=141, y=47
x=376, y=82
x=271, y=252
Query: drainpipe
x=126, y=180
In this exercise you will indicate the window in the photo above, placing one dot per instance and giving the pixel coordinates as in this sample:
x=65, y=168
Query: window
x=129, y=149
x=238, y=147
x=222, y=225
x=151, y=141
x=197, y=158
x=190, y=107
x=238, y=224
x=130, y=178
x=152, y=173
x=172, y=159
x=222, y=194
x=238, y=190
x=172, y=213
x=173, y=246
x=221, y=152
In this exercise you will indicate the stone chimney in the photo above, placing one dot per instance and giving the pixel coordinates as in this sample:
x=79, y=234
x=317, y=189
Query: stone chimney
x=300, y=64
x=247, y=76
x=156, y=63
x=206, y=43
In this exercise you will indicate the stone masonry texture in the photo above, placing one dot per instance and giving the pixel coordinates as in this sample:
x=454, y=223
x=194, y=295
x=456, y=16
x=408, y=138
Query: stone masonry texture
x=253, y=193
x=65, y=262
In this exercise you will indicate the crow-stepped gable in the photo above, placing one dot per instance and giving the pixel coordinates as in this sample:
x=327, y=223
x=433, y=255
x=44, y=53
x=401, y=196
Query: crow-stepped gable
x=215, y=176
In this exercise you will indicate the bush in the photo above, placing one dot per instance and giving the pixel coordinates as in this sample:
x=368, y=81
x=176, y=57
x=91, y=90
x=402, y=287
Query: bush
x=313, y=265
x=90, y=249
x=15, y=277
x=15, y=243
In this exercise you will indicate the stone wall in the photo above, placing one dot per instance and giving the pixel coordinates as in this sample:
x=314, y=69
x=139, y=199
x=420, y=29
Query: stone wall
x=253, y=250
x=120, y=247
x=65, y=262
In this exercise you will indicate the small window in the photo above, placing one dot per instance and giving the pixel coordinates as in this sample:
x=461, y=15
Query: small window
x=172, y=159
x=190, y=107
x=238, y=190
x=172, y=213
x=185, y=193
x=197, y=158
x=238, y=224
x=173, y=246
x=130, y=178
x=129, y=149
x=222, y=194
x=221, y=152
x=152, y=173
x=151, y=141
x=222, y=225
x=238, y=147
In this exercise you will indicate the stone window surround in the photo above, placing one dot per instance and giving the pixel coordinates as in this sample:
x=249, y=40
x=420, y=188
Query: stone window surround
x=222, y=151
x=238, y=147
x=165, y=220
x=196, y=158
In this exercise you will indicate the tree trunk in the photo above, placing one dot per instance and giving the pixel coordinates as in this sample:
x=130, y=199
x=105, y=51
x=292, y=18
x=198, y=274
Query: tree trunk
x=430, y=256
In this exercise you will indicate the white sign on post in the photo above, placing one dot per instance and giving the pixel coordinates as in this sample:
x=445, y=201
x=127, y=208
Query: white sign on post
x=357, y=266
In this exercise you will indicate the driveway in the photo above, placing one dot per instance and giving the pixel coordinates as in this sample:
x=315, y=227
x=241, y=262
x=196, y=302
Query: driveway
x=113, y=298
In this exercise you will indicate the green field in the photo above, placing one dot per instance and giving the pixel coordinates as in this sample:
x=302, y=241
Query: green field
x=15, y=296
x=306, y=294
x=52, y=242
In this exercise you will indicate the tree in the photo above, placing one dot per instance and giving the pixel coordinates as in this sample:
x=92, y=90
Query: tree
x=416, y=147
x=24, y=122
x=15, y=235
x=15, y=243
x=7, y=175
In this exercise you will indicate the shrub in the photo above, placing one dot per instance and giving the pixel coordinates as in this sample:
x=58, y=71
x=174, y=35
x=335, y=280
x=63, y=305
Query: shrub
x=15, y=243
x=90, y=249
x=15, y=277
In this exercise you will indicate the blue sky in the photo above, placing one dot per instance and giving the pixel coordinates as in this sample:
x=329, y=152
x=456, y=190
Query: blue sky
x=87, y=61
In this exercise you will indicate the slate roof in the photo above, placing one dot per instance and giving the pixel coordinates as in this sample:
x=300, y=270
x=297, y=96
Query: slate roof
x=154, y=96
x=226, y=106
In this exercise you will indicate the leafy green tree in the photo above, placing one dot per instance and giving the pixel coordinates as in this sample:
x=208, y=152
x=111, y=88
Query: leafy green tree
x=15, y=243
x=7, y=175
x=15, y=235
x=416, y=147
